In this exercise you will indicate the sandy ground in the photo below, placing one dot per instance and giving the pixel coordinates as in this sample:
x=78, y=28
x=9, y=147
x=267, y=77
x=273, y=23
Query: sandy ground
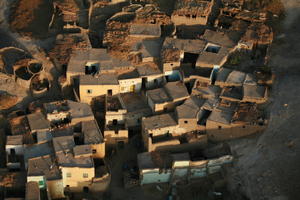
x=268, y=165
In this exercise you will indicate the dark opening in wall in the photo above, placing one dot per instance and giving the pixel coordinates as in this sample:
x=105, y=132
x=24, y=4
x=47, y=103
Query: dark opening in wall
x=190, y=58
x=213, y=48
x=86, y=189
x=92, y=69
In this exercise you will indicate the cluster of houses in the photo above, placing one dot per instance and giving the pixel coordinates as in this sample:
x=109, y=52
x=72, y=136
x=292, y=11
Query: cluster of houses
x=61, y=147
x=178, y=92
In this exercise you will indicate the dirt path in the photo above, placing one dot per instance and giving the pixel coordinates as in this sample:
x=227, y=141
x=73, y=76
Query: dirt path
x=268, y=166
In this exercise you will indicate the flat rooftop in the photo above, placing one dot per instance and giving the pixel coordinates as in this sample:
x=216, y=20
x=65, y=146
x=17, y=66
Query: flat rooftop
x=190, y=108
x=193, y=7
x=225, y=39
x=158, y=95
x=145, y=29
x=37, y=121
x=254, y=91
x=19, y=125
x=102, y=79
x=220, y=116
x=129, y=75
x=38, y=150
x=79, y=59
x=59, y=106
x=176, y=90
x=113, y=103
x=43, y=166
x=211, y=58
x=186, y=45
x=14, y=140
x=63, y=143
x=80, y=110
x=236, y=78
x=68, y=160
x=92, y=133
x=134, y=102
x=159, y=121
x=82, y=150
x=147, y=70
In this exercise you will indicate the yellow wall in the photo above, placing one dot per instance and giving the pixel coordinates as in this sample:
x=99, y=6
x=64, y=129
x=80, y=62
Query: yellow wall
x=97, y=90
x=76, y=181
x=56, y=189
x=100, y=150
x=111, y=138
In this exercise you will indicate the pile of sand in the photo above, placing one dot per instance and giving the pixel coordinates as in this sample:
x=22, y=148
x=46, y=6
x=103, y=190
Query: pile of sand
x=31, y=17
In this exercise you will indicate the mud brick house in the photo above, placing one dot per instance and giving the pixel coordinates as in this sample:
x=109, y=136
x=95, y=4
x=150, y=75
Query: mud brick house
x=192, y=12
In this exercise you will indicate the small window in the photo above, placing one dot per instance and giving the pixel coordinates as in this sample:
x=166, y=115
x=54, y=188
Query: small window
x=85, y=175
x=13, y=152
x=89, y=91
x=94, y=151
x=219, y=127
x=194, y=16
x=41, y=183
x=185, y=122
x=244, y=126
x=69, y=175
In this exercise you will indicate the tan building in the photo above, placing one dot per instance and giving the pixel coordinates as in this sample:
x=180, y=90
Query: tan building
x=115, y=135
x=152, y=77
x=14, y=151
x=93, y=62
x=60, y=113
x=114, y=111
x=255, y=93
x=137, y=108
x=159, y=128
x=218, y=47
x=225, y=124
x=168, y=97
x=93, y=137
x=147, y=50
x=32, y=191
x=145, y=31
x=176, y=51
x=188, y=114
x=77, y=173
x=130, y=82
x=163, y=167
x=44, y=171
x=192, y=12
x=90, y=87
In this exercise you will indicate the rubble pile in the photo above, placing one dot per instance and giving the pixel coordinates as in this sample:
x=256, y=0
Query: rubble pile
x=31, y=17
